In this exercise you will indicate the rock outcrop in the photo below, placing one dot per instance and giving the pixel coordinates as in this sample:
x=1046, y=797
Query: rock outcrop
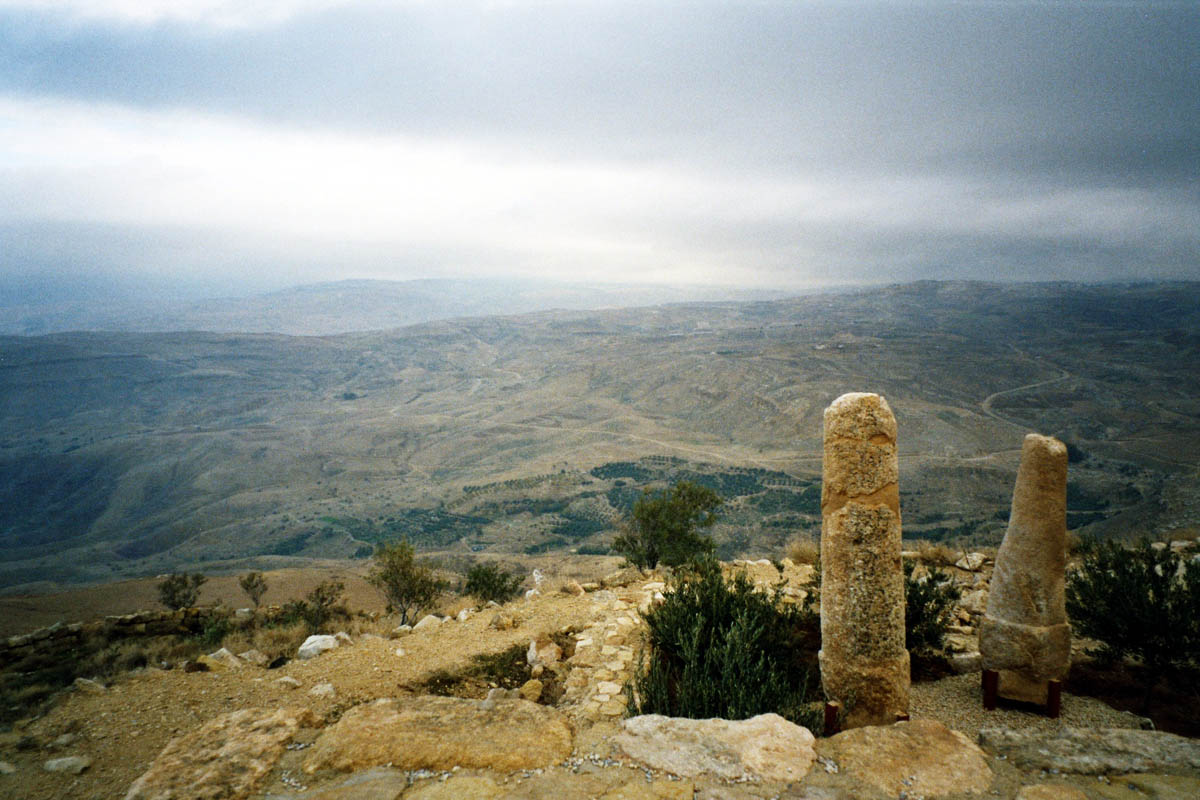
x=922, y=758
x=763, y=747
x=864, y=663
x=1024, y=634
x=226, y=757
x=1095, y=751
x=316, y=644
x=428, y=732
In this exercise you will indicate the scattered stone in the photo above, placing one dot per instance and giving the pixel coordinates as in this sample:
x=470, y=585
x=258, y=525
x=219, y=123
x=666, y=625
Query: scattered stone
x=1094, y=751
x=89, y=686
x=65, y=740
x=622, y=577
x=6, y=768
x=428, y=621
x=922, y=758
x=255, y=657
x=401, y=630
x=287, y=682
x=863, y=661
x=504, y=621
x=531, y=690
x=400, y=651
x=323, y=690
x=243, y=615
x=315, y=645
x=975, y=601
x=971, y=562
x=544, y=651
x=72, y=765
x=573, y=587
x=591, y=586
x=763, y=747
x=225, y=757
x=464, y=615
x=1024, y=633
x=343, y=637
x=224, y=658
x=429, y=732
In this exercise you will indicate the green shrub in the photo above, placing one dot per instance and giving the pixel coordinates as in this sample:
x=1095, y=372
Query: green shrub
x=180, y=590
x=719, y=648
x=323, y=603
x=662, y=526
x=929, y=608
x=215, y=631
x=1140, y=602
x=408, y=587
x=488, y=582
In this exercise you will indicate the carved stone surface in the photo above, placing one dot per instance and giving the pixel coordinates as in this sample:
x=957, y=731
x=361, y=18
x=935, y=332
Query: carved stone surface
x=1024, y=634
x=864, y=663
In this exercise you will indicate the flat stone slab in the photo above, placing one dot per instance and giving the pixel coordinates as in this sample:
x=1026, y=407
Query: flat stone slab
x=441, y=733
x=918, y=758
x=1095, y=751
x=763, y=747
x=226, y=757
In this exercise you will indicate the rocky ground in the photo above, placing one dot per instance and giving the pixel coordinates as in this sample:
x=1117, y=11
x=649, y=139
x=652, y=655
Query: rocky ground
x=354, y=722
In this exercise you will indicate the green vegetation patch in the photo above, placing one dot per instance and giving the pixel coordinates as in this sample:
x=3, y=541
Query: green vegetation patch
x=425, y=527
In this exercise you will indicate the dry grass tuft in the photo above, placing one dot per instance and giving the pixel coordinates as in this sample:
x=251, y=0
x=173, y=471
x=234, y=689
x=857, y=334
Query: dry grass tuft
x=804, y=551
x=937, y=555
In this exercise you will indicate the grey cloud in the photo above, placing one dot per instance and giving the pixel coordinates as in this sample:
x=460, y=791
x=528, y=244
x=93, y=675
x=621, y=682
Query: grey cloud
x=776, y=85
x=1027, y=111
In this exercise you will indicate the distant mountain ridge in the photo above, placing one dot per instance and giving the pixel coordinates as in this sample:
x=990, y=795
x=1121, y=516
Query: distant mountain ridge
x=348, y=306
x=125, y=454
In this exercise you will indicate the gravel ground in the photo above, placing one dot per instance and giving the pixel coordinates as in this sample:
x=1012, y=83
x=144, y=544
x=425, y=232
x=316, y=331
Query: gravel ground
x=957, y=702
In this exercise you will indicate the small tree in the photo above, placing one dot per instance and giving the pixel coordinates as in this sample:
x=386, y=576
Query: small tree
x=1142, y=602
x=408, y=587
x=254, y=585
x=324, y=601
x=663, y=526
x=180, y=590
x=929, y=606
x=487, y=582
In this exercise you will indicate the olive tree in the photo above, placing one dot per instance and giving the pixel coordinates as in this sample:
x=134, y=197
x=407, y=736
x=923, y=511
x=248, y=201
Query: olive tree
x=664, y=526
x=407, y=586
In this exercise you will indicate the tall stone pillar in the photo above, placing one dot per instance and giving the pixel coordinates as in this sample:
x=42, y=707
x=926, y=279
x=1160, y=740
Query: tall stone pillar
x=1024, y=634
x=864, y=663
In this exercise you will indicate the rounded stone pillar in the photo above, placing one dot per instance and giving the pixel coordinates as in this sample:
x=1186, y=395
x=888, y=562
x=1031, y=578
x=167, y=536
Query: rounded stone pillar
x=1024, y=634
x=864, y=664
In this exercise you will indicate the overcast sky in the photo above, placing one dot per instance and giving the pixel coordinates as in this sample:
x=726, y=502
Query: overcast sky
x=776, y=144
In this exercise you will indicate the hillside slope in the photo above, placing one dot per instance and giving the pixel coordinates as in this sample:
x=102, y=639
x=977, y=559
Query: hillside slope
x=128, y=454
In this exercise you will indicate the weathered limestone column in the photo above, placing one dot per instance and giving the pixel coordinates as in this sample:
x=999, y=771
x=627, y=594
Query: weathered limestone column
x=1024, y=634
x=864, y=664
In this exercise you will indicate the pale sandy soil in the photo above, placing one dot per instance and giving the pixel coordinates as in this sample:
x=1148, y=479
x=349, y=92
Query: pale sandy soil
x=124, y=729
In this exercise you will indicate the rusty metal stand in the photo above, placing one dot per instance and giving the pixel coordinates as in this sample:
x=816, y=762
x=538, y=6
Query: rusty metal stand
x=1054, y=699
x=991, y=685
x=832, y=709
